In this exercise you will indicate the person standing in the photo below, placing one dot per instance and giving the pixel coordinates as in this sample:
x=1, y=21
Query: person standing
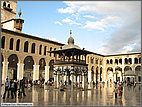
x=116, y=91
x=7, y=87
x=12, y=88
x=15, y=88
x=23, y=86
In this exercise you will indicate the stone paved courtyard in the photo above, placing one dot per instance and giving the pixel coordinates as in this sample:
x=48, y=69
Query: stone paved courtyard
x=98, y=96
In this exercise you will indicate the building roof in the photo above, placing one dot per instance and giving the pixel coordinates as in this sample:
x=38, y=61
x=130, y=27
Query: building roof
x=30, y=36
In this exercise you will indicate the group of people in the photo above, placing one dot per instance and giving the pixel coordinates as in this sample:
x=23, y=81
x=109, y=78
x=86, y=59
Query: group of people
x=12, y=87
x=118, y=89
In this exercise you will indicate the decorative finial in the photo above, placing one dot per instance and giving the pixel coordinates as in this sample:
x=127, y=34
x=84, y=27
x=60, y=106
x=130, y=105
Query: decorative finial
x=70, y=32
x=19, y=13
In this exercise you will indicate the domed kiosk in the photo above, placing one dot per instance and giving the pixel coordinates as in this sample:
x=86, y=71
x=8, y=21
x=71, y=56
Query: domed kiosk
x=70, y=66
x=130, y=76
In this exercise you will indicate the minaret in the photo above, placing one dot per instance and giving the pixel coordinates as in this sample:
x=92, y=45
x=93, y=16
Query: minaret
x=18, y=22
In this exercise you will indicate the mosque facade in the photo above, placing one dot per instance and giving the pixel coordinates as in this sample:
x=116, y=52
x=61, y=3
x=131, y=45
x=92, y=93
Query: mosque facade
x=27, y=56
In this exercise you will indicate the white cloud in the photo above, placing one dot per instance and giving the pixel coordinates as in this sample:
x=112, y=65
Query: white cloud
x=57, y=22
x=67, y=20
x=110, y=21
x=66, y=10
x=89, y=16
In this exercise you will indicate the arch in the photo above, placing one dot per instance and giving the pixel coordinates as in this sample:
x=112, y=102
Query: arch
x=138, y=73
x=4, y=3
x=26, y=46
x=18, y=45
x=136, y=60
x=127, y=68
x=109, y=69
x=118, y=68
x=33, y=48
x=12, y=66
x=92, y=73
x=28, y=68
x=126, y=61
x=45, y=50
x=42, y=65
x=40, y=49
x=3, y=42
x=11, y=44
x=51, y=70
x=111, y=61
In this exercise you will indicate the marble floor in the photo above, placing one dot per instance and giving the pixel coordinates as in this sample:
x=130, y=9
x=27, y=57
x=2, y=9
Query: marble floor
x=98, y=96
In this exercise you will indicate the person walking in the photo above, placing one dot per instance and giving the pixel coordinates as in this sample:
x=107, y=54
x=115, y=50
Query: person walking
x=23, y=86
x=7, y=87
x=12, y=88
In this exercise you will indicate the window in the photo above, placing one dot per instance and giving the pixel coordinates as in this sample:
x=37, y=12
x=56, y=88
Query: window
x=3, y=42
x=96, y=61
x=60, y=47
x=33, y=48
x=100, y=62
x=120, y=61
x=107, y=61
x=50, y=50
x=92, y=60
x=40, y=49
x=11, y=44
x=45, y=50
x=4, y=4
x=26, y=46
x=116, y=61
x=88, y=59
x=136, y=60
x=111, y=62
x=8, y=5
x=130, y=60
x=54, y=50
x=18, y=45
x=126, y=61
x=139, y=60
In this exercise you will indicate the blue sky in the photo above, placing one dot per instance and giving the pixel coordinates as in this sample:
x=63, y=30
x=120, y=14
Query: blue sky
x=101, y=27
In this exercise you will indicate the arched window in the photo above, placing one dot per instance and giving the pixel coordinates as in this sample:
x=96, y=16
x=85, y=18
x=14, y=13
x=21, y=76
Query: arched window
x=54, y=50
x=96, y=61
x=136, y=60
x=45, y=50
x=33, y=48
x=130, y=60
x=116, y=61
x=26, y=46
x=4, y=4
x=60, y=47
x=3, y=42
x=111, y=62
x=11, y=44
x=40, y=48
x=139, y=60
x=120, y=61
x=107, y=61
x=88, y=59
x=50, y=50
x=18, y=45
x=126, y=61
x=8, y=5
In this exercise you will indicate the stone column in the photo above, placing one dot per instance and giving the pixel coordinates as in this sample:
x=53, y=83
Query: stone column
x=85, y=81
x=5, y=71
x=46, y=73
x=20, y=71
x=36, y=72
x=72, y=75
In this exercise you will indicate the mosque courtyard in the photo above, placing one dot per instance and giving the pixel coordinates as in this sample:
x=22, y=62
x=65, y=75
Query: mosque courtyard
x=97, y=96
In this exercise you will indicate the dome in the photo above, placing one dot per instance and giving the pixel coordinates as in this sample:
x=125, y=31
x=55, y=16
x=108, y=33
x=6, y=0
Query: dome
x=130, y=73
x=70, y=40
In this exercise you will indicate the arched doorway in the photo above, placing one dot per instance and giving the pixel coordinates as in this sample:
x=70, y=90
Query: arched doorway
x=92, y=73
x=110, y=74
x=28, y=68
x=51, y=70
x=118, y=74
x=12, y=66
x=138, y=73
x=101, y=74
x=42, y=65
